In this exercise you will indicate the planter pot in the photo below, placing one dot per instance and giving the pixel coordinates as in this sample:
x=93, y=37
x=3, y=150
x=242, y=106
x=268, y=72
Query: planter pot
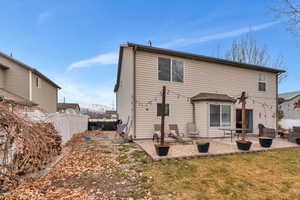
x=162, y=150
x=297, y=140
x=265, y=142
x=203, y=148
x=245, y=146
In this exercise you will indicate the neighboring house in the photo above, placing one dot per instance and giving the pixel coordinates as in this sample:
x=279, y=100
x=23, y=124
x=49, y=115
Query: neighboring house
x=200, y=89
x=21, y=82
x=73, y=108
x=287, y=103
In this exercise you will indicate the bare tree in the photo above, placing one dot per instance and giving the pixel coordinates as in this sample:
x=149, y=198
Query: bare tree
x=247, y=50
x=288, y=11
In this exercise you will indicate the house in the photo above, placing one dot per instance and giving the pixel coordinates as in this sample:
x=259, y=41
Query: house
x=21, y=82
x=73, y=108
x=200, y=89
x=291, y=113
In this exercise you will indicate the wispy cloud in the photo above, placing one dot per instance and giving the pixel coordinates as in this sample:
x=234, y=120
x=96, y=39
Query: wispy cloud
x=102, y=59
x=43, y=16
x=181, y=42
x=83, y=93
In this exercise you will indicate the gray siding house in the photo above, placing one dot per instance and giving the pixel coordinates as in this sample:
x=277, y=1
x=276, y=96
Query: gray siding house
x=200, y=89
x=287, y=104
x=21, y=82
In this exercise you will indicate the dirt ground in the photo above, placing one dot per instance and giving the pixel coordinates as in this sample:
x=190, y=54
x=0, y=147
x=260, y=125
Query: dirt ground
x=95, y=169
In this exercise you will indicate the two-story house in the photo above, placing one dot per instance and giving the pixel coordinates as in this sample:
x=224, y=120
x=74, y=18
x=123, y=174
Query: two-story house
x=21, y=82
x=200, y=89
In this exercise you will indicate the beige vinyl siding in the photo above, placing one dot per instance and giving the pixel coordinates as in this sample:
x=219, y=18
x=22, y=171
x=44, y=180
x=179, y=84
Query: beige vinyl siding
x=124, y=95
x=199, y=77
x=45, y=96
x=2, y=78
x=16, y=79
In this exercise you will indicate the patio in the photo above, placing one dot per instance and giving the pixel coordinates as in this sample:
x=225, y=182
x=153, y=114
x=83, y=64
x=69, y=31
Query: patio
x=218, y=147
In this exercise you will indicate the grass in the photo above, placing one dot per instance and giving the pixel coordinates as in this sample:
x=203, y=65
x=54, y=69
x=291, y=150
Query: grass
x=264, y=175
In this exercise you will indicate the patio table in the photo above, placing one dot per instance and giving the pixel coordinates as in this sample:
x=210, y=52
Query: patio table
x=232, y=131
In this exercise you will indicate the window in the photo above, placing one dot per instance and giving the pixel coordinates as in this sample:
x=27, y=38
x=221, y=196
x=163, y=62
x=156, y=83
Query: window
x=214, y=115
x=170, y=70
x=38, y=82
x=177, y=71
x=262, y=82
x=159, y=109
x=220, y=115
x=164, y=69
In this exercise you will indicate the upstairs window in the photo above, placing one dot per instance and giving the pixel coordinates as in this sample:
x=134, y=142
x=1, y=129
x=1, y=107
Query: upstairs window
x=159, y=109
x=164, y=69
x=170, y=70
x=262, y=82
x=38, y=82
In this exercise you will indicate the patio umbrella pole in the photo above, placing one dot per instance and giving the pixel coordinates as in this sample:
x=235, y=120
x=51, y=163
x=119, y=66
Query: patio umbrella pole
x=163, y=111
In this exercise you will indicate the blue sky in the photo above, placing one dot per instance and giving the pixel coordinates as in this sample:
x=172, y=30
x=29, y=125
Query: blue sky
x=75, y=43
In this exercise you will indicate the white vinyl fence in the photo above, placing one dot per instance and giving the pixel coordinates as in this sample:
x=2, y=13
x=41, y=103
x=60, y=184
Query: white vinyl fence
x=68, y=124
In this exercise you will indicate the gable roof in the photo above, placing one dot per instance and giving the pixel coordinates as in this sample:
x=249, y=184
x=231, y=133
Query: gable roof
x=191, y=56
x=204, y=96
x=28, y=68
x=289, y=95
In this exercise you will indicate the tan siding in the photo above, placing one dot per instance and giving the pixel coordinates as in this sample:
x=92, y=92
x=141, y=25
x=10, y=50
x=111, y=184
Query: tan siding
x=16, y=78
x=46, y=96
x=1, y=78
x=198, y=77
x=124, y=95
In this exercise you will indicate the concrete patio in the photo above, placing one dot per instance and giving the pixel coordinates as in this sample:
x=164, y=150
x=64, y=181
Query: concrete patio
x=218, y=147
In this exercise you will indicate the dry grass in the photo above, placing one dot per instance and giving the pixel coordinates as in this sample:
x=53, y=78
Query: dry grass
x=268, y=175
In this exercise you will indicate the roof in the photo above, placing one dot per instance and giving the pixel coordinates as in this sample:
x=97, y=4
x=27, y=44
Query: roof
x=289, y=95
x=192, y=56
x=213, y=97
x=67, y=105
x=11, y=96
x=28, y=68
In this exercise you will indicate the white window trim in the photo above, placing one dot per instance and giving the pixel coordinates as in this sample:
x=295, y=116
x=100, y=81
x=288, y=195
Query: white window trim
x=39, y=82
x=221, y=125
x=265, y=81
x=171, y=69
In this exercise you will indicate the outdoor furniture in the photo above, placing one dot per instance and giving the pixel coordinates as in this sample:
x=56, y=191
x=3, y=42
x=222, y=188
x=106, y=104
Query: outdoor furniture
x=295, y=134
x=174, y=133
x=267, y=132
x=192, y=130
x=157, y=135
x=232, y=132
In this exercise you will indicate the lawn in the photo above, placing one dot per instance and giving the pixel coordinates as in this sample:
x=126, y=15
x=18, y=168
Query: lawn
x=265, y=175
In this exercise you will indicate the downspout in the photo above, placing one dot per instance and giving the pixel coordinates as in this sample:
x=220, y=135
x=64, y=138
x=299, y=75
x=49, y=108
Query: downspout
x=30, y=85
x=276, y=117
x=134, y=91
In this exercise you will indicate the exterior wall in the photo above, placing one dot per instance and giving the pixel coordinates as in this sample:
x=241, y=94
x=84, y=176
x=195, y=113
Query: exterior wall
x=203, y=123
x=16, y=79
x=198, y=77
x=46, y=96
x=1, y=78
x=288, y=109
x=124, y=95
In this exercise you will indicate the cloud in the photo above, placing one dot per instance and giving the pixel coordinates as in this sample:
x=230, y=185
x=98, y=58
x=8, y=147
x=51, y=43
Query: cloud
x=102, y=59
x=190, y=41
x=87, y=94
x=43, y=16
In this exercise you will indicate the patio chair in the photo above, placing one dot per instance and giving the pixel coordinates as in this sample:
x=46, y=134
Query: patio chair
x=295, y=134
x=266, y=132
x=157, y=135
x=174, y=133
x=192, y=130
